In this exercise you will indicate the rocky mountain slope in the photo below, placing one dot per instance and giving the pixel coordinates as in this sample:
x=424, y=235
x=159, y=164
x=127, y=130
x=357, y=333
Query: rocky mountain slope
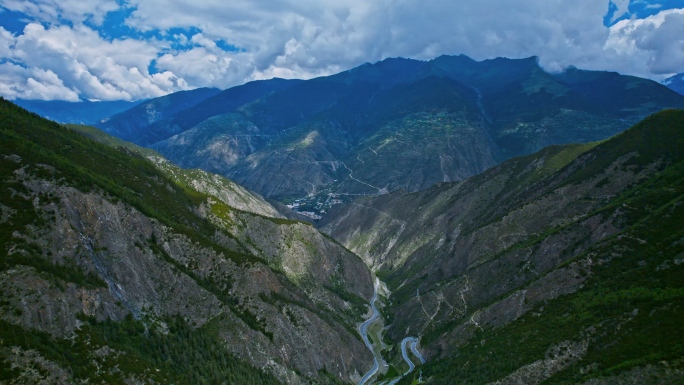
x=565, y=266
x=117, y=269
x=398, y=124
x=213, y=185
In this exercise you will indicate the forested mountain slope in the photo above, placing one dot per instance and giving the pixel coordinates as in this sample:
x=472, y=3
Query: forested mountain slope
x=565, y=266
x=399, y=124
x=114, y=270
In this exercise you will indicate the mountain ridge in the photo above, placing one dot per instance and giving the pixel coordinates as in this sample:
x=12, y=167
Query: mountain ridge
x=314, y=138
x=81, y=112
x=113, y=266
x=675, y=83
x=487, y=261
x=128, y=125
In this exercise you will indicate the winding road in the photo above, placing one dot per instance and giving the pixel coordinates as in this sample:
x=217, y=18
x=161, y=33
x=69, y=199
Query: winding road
x=411, y=341
x=363, y=329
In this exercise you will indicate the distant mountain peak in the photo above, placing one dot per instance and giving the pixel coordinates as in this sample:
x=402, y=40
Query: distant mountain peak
x=397, y=123
x=80, y=112
x=675, y=83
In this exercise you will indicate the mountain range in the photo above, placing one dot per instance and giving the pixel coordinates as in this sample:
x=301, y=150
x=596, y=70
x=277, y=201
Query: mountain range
x=506, y=224
x=128, y=125
x=398, y=124
x=81, y=112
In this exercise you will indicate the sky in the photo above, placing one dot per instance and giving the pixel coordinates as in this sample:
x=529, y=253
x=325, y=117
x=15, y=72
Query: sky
x=137, y=49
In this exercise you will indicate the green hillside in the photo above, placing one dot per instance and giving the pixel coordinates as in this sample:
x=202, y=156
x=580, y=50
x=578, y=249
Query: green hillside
x=564, y=266
x=182, y=354
x=399, y=124
x=115, y=269
x=629, y=311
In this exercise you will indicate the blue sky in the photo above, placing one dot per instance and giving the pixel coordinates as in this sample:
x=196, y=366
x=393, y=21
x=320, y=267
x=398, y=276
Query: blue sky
x=625, y=10
x=135, y=49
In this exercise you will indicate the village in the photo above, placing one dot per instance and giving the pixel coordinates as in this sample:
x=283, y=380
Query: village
x=315, y=206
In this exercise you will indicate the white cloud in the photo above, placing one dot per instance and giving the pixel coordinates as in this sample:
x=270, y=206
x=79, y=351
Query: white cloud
x=303, y=39
x=622, y=9
x=7, y=41
x=17, y=82
x=200, y=65
x=52, y=11
x=98, y=69
x=654, y=45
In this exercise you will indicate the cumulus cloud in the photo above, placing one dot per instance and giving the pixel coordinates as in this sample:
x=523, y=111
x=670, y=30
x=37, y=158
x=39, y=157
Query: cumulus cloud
x=17, y=82
x=303, y=39
x=200, y=65
x=96, y=68
x=7, y=40
x=311, y=38
x=307, y=39
x=53, y=11
x=654, y=45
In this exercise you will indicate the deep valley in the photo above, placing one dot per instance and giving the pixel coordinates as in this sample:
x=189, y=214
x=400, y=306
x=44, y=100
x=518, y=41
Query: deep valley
x=448, y=221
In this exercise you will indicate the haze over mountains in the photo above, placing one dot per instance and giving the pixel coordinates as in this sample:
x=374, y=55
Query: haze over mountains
x=126, y=125
x=83, y=112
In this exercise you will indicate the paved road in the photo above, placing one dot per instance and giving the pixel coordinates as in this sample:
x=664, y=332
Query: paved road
x=363, y=329
x=413, y=342
x=414, y=349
